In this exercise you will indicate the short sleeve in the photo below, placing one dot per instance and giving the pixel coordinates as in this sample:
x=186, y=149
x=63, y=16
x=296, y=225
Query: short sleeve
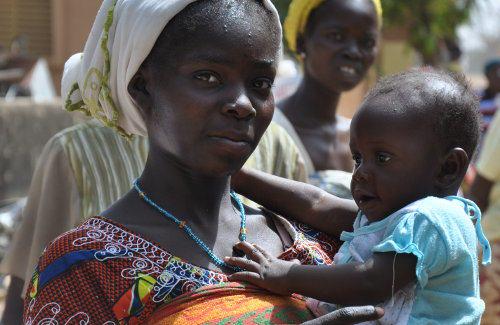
x=69, y=287
x=414, y=233
x=487, y=164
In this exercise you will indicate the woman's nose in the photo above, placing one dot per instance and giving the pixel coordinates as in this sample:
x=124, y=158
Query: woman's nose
x=353, y=51
x=241, y=108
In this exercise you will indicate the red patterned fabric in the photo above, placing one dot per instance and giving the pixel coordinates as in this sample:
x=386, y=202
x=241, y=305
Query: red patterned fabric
x=102, y=273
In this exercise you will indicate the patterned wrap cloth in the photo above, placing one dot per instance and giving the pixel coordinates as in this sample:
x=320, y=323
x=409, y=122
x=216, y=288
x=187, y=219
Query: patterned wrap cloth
x=103, y=273
x=298, y=15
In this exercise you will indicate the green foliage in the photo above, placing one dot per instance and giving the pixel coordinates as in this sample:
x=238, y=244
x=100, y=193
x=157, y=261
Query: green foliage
x=429, y=22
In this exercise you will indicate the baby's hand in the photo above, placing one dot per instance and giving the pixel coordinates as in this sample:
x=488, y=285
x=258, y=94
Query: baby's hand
x=262, y=269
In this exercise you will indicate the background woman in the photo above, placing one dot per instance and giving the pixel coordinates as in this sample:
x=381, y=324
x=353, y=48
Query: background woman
x=336, y=42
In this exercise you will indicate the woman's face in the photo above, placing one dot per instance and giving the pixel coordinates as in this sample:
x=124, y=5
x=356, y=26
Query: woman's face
x=340, y=43
x=493, y=77
x=211, y=97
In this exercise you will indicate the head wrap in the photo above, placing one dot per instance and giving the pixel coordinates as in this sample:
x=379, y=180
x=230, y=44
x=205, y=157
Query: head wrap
x=298, y=15
x=123, y=35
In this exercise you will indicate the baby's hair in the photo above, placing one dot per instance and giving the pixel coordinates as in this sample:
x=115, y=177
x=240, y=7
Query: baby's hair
x=446, y=98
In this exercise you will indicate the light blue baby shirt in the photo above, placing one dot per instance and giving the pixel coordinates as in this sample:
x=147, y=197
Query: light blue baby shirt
x=440, y=233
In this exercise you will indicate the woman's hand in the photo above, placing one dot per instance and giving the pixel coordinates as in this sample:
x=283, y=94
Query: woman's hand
x=348, y=315
x=261, y=269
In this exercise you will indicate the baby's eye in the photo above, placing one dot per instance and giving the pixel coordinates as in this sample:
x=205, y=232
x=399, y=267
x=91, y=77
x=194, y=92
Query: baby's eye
x=383, y=158
x=208, y=77
x=263, y=83
x=357, y=160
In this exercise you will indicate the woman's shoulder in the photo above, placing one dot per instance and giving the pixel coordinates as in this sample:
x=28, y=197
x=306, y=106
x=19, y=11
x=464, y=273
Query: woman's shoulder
x=99, y=239
x=63, y=284
x=90, y=268
x=64, y=244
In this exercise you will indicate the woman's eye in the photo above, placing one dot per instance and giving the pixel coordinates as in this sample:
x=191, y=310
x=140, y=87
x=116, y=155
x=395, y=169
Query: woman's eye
x=383, y=158
x=208, y=77
x=336, y=36
x=369, y=43
x=263, y=84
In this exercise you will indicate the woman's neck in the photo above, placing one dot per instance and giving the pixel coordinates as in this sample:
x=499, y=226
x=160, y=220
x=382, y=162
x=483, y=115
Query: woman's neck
x=312, y=104
x=193, y=196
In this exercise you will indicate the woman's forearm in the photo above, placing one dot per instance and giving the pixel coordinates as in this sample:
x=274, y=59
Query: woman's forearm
x=303, y=202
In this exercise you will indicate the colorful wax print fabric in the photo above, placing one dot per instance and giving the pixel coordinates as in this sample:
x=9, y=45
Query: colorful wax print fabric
x=102, y=273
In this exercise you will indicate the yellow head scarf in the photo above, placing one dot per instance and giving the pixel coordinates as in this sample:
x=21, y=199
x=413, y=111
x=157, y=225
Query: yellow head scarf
x=298, y=14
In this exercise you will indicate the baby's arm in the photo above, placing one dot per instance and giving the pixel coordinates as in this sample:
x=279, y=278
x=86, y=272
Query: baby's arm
x=348, y=284
x=302, y=202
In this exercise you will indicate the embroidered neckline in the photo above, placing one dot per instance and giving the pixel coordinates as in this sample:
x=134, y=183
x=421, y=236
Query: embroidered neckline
x=299, y=240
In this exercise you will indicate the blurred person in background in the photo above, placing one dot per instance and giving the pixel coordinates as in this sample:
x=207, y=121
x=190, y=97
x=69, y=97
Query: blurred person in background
x=485, y=191
x=489, y=103
x=490, y=96
x=336, y=42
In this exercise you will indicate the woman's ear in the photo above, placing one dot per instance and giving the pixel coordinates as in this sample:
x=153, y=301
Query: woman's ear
x=301, y=50
x=138, y=90
x=452, y=169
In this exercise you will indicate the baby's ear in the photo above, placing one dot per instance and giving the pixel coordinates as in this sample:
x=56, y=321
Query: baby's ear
x=138, y=90
x=452, y=169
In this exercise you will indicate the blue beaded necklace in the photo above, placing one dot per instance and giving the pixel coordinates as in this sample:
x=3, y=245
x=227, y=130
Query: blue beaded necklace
x=182, y=225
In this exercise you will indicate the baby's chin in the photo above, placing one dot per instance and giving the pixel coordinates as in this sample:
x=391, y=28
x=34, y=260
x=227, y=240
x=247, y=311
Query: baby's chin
x=374, y=217
x=374, y=214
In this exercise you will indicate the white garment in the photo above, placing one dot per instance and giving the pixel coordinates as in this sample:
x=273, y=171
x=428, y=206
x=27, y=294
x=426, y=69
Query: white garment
x=121, y=38
x=357, y=247
x=397, y=310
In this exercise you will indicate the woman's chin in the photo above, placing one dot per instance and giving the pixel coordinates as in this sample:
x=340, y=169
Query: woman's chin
x=220, y=168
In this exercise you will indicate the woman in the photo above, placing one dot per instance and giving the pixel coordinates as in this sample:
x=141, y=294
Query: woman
x=196, y=77
x=489, y=96
x=336, y=41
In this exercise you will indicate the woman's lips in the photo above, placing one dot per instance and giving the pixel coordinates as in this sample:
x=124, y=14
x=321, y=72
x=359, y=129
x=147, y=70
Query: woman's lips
x=350, y=72
x=234, y=145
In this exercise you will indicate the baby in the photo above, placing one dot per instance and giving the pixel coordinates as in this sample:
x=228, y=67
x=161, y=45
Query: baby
x=413, y=246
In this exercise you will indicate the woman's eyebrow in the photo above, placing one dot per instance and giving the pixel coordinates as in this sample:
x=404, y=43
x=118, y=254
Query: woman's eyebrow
x=208, y=58
x=223, y=60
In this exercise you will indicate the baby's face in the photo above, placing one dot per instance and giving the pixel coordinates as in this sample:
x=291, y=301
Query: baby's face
x=396, y=159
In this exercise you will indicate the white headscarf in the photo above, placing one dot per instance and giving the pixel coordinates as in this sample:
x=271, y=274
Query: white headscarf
x=121, y=38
